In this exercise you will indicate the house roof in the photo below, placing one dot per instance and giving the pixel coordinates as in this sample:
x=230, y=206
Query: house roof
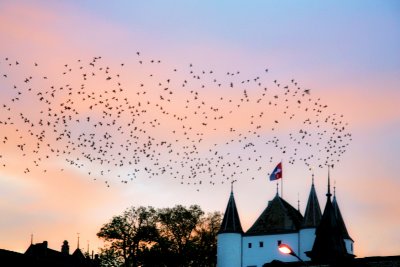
x=49, y=257
x=278, y=217
x=231, y=222
x=78, y=255
x=42, y=250
x=312, y=215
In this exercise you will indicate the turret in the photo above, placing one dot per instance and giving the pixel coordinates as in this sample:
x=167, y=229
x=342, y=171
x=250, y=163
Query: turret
x=347, y=239
x=329, y=245
x=229, y=242
x=312, y=218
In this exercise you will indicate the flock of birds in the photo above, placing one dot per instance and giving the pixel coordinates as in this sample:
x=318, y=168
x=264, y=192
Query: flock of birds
x=143, y=119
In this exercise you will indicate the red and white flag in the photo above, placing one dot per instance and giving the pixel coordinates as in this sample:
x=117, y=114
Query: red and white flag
x=276, y=173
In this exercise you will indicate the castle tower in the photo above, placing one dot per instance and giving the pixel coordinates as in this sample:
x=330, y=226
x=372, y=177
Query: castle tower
x=229, y=242
x=312, y=218
x=329, y=245
x=347, y=239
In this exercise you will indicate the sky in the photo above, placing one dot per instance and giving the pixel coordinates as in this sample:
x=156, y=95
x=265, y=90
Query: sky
x=345, y=53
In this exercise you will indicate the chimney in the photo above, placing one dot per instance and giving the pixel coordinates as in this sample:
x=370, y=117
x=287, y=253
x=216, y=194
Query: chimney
x=65, y=248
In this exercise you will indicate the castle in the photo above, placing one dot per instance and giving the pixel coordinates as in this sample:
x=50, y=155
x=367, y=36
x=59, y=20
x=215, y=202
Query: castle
x=316, y=236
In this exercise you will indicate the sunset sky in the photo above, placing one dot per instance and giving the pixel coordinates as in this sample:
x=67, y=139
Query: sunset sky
x=345, y=52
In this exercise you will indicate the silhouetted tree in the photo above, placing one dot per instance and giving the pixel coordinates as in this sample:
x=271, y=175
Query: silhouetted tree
x=169, y=237
x=110, y=257
x=205, y=254
x=177, y=226
x=126, y=233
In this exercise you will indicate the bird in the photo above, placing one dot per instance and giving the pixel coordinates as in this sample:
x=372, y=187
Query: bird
x=167, y=125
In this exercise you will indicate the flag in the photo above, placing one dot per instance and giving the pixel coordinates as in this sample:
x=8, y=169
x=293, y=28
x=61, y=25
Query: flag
x=276, y=173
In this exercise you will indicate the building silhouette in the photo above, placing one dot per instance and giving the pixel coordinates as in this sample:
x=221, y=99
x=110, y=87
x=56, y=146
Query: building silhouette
x=332, y=242
x=40, y=255
x=317, y=237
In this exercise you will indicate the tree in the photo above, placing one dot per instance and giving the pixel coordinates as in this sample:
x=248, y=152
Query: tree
x=178, y=224
x=109, y=257
x=126, y=233
x=206, y=240
x=169, y=237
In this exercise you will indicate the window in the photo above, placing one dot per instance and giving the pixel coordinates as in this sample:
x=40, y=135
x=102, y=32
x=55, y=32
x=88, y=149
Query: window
x=249, y=245
x=261, y=244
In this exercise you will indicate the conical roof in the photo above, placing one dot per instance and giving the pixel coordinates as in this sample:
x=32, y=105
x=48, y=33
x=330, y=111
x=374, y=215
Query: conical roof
x=340, y=220
x=312, y=215
x=329, y=243
x=278, y=217
x=231, y=222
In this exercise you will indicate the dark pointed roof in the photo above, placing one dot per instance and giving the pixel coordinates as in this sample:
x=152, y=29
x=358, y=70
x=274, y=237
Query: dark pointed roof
x=278, y=217
x=78, y=255
x=340, y=220
x=312, y=215
x=329, y=243
x=231, y=222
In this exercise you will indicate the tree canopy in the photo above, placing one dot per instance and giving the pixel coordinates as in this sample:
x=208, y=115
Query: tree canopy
x=145, y=236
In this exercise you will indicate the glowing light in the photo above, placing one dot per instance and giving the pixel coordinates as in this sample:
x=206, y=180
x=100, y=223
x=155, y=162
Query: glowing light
x=285, y=249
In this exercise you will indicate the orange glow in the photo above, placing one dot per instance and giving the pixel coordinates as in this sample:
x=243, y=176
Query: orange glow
x=285, y=249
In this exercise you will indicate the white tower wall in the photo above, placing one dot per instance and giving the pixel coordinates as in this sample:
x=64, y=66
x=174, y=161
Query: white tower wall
x=307, y=238
x=349, y=246
x=229, y=250
x=267, y=251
